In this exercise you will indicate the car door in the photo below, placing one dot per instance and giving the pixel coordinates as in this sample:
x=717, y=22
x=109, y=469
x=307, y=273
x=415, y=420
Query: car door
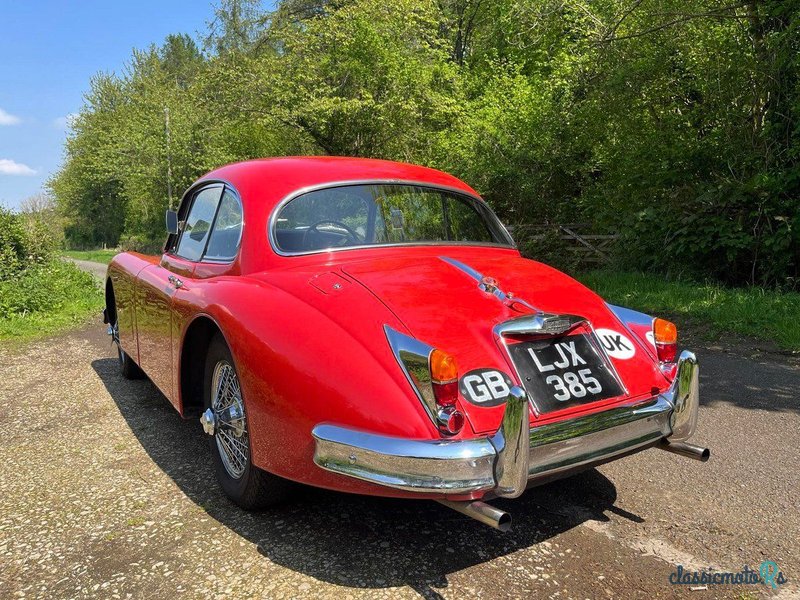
x=160, y=284
x=219, y=258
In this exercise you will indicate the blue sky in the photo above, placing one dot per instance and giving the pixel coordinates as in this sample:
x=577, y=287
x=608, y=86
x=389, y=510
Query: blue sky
x=48, y=51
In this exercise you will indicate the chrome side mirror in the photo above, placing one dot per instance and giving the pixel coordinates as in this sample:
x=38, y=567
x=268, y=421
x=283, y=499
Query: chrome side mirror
x=172, y=222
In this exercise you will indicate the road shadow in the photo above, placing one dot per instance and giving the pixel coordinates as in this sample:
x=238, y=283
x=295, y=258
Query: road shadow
x=348, y=540
x=763, y=382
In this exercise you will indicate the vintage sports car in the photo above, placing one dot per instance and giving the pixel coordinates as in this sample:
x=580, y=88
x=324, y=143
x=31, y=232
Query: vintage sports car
x=369, y=327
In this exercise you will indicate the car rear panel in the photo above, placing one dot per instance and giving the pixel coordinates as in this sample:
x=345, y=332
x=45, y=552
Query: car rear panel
x=438, y=297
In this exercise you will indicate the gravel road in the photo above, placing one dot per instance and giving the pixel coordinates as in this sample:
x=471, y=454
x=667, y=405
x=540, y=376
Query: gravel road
x=106, y=493
x=96, y=269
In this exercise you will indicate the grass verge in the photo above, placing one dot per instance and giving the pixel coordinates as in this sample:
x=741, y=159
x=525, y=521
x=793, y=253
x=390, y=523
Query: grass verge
x=754, y=312
x=99, y=256
x=45, y=299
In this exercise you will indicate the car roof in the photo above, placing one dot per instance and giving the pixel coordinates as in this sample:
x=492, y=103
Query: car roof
x=262, y=184
x=267, y=181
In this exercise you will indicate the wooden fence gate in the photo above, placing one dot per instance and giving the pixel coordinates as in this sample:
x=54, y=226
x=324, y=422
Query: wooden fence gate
x=585, y=244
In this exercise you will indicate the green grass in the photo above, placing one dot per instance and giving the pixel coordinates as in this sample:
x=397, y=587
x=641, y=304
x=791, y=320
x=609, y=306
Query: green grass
x=46, y=299
x=100, y=256
x=753, y=312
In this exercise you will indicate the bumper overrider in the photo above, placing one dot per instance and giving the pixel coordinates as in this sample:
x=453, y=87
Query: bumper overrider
x=517, y=456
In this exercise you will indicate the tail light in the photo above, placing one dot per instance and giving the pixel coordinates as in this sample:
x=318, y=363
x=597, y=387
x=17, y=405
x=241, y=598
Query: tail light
x=433, y=374
x=444, y=381
x=444, y=377
x=665, y=335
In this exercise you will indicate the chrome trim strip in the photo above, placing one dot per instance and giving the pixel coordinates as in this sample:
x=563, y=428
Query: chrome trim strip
x=484, y=464
x=413, y=354
x=509, y=299
x=273, y=218
x=628, y=317
x=512, y=445
x=429, y=466
x=462, y=267
x=684, y=395
x=560, y=446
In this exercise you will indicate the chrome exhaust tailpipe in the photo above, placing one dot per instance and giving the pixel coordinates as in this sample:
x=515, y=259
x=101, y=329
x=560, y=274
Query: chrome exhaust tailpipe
x=480, y=511
x=684, y=449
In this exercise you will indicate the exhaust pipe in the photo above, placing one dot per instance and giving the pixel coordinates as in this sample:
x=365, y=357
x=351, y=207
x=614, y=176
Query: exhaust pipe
x=480, y=511
x=684, y=449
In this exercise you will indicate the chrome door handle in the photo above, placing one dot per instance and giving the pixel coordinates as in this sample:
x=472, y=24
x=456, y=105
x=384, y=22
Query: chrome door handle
x=175, y=281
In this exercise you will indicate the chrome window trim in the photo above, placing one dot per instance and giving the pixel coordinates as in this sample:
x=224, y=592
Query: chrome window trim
x=196, y=187
x=273, y=218
x=182, y=227
x=225, y=260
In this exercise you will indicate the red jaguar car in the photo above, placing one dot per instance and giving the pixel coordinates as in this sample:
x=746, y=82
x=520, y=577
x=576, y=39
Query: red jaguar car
x=370, y=327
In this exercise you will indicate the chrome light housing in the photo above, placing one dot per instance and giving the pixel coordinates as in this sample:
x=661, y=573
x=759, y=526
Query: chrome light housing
x=413, y=356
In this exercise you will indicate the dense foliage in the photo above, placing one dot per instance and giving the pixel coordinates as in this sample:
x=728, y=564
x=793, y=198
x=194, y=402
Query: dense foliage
x=674, y=122
x=39, y=293
x=24, y=242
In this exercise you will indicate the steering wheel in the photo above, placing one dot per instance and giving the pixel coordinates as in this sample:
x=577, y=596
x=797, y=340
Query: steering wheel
x=352, y=235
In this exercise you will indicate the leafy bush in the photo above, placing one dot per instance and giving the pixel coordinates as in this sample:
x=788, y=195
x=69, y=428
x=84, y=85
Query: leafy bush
x=733, y=234
x=44, y=287
x=681, y=133
x=23, y=242
x=140, y=243
x=39, y=292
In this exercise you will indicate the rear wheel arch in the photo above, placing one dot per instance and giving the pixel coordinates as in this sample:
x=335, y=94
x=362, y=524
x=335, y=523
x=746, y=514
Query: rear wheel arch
x=194, y=348
x=111, y=303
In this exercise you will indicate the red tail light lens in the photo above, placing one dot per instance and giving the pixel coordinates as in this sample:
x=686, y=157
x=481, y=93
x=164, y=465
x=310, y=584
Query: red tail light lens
x=665, y=335
x=446, y=394
x=451, y=421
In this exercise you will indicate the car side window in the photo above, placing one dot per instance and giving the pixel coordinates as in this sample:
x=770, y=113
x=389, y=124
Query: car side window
x=224, y=241
x=198, y=223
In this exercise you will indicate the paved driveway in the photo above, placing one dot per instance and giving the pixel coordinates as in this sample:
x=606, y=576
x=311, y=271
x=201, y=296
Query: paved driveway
x=105, y=492
x=96, y=269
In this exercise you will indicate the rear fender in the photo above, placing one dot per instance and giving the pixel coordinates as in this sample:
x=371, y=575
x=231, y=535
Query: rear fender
x=298, y=368
x=637, y=323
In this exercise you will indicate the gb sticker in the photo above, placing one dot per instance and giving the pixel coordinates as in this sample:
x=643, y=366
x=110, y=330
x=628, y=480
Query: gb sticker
x=485, y=387
x=616, y=344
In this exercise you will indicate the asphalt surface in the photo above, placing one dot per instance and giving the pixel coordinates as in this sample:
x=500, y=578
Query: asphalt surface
x=106, y=493
x=96, y=269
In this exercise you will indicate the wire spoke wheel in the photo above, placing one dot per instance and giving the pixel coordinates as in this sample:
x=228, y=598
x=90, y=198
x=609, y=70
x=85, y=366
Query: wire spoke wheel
x=231, y=433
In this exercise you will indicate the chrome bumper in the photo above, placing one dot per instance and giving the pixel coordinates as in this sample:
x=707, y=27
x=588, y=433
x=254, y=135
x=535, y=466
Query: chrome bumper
x=515, y=457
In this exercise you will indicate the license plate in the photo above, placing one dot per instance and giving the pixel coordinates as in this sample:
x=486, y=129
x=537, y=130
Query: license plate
x=562, y=372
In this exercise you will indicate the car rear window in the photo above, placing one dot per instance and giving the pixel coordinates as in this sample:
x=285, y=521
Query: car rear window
x=383, y=214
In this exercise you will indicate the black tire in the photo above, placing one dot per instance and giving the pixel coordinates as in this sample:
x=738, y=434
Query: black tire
x=254, y=488
x=128, y=368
